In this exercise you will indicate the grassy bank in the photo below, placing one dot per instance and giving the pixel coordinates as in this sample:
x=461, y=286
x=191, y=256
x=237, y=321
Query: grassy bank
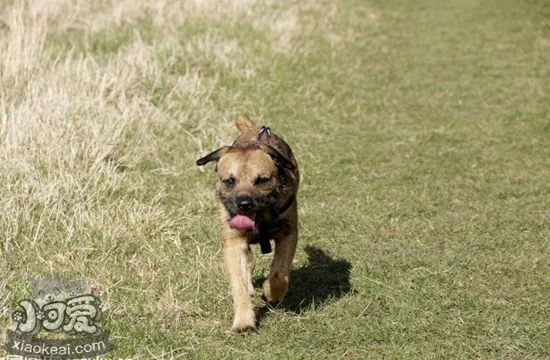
x=422, y=129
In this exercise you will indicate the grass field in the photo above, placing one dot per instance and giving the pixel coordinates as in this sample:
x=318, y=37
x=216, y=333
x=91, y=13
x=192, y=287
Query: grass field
x=422, y=129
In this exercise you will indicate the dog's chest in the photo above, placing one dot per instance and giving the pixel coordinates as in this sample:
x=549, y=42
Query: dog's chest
x=268, y=227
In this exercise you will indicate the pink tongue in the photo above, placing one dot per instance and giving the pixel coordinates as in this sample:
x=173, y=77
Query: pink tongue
x=241, y=222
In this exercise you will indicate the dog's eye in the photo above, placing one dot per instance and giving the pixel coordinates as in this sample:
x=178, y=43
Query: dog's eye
x=230, y=181
x=261, y=180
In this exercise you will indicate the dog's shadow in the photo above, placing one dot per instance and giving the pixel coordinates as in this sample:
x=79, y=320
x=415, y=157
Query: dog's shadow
x=323, y=278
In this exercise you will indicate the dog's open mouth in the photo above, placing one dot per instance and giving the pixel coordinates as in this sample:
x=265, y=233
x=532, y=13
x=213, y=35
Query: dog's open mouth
x=242, y=222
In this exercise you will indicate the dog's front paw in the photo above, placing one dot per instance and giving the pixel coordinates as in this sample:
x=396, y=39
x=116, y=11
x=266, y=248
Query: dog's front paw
x=244, y=323
x=244, y=330
x=275, y=289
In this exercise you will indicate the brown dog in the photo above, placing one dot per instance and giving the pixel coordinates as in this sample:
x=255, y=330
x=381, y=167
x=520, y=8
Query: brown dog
x=257, y=182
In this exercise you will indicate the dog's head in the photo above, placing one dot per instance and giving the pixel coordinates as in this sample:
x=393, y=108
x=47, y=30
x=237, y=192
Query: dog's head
x=247, y=180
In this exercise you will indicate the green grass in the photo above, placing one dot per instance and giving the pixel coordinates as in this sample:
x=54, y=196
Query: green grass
x=422, y=129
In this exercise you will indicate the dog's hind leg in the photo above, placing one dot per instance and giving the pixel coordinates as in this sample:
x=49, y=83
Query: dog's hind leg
x=236, y=260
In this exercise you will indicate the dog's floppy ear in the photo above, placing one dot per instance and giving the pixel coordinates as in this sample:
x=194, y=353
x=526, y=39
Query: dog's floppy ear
x=213, y=156
x=279, y=159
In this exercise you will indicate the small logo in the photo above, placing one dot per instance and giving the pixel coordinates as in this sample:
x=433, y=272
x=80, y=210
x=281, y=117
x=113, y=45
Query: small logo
x=59, y=322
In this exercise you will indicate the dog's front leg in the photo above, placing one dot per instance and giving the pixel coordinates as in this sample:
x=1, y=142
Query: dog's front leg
x=236, y=253
x=276, y=285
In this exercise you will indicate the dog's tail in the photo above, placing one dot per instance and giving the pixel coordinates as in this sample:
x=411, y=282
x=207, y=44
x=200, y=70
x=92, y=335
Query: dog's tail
x=244, y=124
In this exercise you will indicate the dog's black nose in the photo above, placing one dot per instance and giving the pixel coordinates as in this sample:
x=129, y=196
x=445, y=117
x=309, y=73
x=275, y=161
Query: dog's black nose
x=245, y=203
